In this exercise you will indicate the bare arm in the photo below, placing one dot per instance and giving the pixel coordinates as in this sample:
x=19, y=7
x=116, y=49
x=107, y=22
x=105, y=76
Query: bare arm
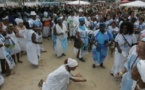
x=78, y=80
x=55, y=32
x=34, y=39
x=16, y=31
x=78, y=36
x=117, y=45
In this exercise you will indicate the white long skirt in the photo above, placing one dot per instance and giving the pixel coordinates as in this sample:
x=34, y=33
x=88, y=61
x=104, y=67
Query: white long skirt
x=16, y=49
x=32, y=53
x=46, y=31
x=52, y=84
x=22, y=43
x=1, y=79
x=58, y=49
x=119, y=61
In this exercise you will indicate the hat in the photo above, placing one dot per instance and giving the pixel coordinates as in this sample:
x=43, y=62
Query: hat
x=80, y=10
x=6, y=17
x=81, y=19
x=141, y=69
x=18, y=20
x=45, y=14
x=72, y=62
x=59, y=18
x=33, y=13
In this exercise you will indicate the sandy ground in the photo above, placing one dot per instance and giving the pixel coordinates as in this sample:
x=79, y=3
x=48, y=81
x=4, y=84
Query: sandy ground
x=26, y=77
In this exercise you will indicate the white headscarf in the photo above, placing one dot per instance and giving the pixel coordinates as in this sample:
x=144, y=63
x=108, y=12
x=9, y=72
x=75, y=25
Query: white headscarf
x=45, y=14
x=18, y=20
x=33, y=13
x=141, y=69
x=6, y=17
x=72, y=62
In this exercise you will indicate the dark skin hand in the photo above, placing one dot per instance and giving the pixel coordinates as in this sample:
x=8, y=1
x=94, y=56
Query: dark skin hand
x=34, y=39
x=55, y=32
x=119, y=50
x=7, y=45
x=78, y=35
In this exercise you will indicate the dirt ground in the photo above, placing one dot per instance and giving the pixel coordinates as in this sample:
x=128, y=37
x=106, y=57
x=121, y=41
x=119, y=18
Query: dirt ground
x=26, y=77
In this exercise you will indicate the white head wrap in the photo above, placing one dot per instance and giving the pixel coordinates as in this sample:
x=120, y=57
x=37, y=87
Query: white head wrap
x=141, y=69
x=33, y=13
x=80, y=10
x=45, y=14
x=6, y=17
x=18, y=20
x=72, y=62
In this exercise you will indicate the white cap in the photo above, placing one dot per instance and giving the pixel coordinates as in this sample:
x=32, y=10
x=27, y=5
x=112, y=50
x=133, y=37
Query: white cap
x=33, y=13
x=80, y=10
x=141, y=69
x=72, y=62
x=18, y=20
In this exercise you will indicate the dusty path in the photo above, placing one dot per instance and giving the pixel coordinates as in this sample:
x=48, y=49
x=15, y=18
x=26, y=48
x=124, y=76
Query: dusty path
x=26, y=77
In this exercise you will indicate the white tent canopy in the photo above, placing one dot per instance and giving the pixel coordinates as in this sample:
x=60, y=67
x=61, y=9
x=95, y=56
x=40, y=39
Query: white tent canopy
x=134, y=4
x=78, y=2
x=32, y=3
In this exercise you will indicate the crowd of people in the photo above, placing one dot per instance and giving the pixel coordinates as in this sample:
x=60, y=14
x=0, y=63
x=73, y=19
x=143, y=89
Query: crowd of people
x=89, y=28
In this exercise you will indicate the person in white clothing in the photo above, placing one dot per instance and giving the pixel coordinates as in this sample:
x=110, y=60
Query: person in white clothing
x=16, y=49
x=114, y=30
x=4, y=23
x=138, y=74
x=21, y=31
x=32, y=48
x=46, y=25
x=71, y=24
x=36, y=25
x=124, y=41
x=60, y=78
x=7, y=62
x=61, y=45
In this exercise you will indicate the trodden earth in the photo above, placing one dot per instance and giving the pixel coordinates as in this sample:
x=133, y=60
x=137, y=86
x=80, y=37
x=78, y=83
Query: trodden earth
x=27, y=77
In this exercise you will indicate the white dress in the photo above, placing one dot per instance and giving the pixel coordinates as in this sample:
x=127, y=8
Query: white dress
x=46, y=29
x=120, y=58
x=72, y=24
x=5, y=55
x=4, y=27
x=16, y=48
x=32, y=49
x=1, y=79
x=58, y=79
x=22, y=41
x=111, y=29
x=60, y=40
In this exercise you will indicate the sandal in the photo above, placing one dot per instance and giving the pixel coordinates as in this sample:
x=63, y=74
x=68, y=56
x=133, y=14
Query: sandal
x=40, y=83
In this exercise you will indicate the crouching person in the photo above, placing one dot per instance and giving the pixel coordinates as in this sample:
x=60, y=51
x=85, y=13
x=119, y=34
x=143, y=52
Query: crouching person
x=60, y=78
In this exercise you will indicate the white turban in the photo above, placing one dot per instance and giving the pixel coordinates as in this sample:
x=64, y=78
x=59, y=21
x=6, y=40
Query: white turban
x=80, y=10
x=18, y=20
x=72, y=62
x=6, y=17
x=141, y=69
x=45, y=14
x=33, y=13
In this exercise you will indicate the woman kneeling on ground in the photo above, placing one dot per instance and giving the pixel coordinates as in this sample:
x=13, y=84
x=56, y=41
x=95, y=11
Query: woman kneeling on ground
x=60, y=78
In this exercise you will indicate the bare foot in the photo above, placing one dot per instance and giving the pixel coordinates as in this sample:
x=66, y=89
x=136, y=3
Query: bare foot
x=40, y=83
